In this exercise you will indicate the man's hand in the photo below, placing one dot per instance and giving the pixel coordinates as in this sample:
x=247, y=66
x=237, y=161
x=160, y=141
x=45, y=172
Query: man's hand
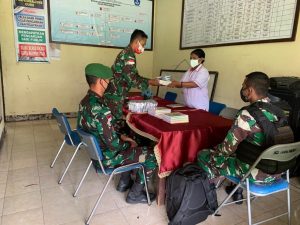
x=153, y=82
x=133, y=144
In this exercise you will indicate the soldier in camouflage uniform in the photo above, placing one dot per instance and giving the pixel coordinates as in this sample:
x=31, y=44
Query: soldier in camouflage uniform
x=221, y=161
x=126, y=76
x=95, y=117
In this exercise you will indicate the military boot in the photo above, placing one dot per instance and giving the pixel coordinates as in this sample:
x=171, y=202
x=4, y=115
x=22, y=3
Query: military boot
x=237, y=195
x=138, y=195
x=125, y=182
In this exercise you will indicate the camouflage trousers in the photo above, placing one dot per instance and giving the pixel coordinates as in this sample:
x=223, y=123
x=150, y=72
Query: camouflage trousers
x=216, y=164
x=143, y=155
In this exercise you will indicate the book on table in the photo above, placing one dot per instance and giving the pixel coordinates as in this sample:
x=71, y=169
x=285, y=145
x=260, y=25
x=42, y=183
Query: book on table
x=175, y=105
x=158, y=111
x=175, y=117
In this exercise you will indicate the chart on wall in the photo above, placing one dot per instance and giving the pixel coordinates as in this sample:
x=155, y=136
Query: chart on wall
x=207, y=23
x=107, y=23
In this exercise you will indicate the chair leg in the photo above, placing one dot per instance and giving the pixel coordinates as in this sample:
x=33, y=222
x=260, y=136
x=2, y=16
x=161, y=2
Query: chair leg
x=55, y=158
x=82, y=179
x=249, y=203
x=69, y=164
x=288, y=197
x=146, y=186
x=99, y=199
x=220, y=182
x=226, y=199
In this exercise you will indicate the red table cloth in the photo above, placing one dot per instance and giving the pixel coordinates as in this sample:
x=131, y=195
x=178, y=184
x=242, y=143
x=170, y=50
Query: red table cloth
x=180, y=143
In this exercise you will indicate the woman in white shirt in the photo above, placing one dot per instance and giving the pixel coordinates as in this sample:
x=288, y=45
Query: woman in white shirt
x=194, y=82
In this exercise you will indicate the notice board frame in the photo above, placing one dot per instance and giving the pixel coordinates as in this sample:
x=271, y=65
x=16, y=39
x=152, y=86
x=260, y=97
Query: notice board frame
x=92, y=45
x=292, y=38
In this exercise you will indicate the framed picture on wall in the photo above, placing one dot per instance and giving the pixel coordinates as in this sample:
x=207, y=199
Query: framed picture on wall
x=177, y=75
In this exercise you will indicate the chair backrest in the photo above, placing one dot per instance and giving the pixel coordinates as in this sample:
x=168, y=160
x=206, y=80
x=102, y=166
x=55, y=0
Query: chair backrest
x=216, y=107
x=170, y=96
x=282, y=152
x=91, y=144
x=63, y=123
x=228, y=113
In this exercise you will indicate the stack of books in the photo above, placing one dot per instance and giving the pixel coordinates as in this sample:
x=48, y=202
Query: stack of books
x=175, y=117
x=159, y=111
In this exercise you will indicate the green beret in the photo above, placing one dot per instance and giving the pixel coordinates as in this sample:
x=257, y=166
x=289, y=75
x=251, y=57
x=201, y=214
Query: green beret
x=98, y=70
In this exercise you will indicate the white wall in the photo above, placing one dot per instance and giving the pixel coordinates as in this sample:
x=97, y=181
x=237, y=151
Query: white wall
x=232, y=62
x=36, y=88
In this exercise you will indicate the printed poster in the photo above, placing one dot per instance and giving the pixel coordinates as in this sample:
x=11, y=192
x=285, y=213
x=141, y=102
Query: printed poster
x=31, y=33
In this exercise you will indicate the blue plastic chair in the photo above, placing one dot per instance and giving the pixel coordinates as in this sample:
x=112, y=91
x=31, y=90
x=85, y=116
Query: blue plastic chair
x=170, y=96
x=282, y=152
x=70, y=138
x=216, y=107
x=94, y=150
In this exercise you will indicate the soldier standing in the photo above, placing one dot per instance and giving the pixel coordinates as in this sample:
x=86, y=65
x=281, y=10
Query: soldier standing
x=126, y=76
x=94, y=117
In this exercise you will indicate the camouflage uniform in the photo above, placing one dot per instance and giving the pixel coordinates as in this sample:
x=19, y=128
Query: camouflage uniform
x=95, y=117
x=125, y=76
x=221, y=161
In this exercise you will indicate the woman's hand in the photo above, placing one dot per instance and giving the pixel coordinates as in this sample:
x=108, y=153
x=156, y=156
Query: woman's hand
x=174, y=84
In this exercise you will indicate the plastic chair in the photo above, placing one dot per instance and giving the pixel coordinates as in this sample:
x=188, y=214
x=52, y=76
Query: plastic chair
x=94, y=150
x=70, y=138
x=170, y=96
x=216, y=107
x=282, y=152
x=228, y=113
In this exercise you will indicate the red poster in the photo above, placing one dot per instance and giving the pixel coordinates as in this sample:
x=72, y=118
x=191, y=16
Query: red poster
x=27, y=50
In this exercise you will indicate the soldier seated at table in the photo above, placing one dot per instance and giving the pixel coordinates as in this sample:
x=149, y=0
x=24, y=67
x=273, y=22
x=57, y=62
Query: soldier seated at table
x=221, y=160
x=94, y=116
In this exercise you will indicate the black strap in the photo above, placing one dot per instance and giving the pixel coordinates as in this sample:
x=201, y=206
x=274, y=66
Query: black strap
x=269, y=128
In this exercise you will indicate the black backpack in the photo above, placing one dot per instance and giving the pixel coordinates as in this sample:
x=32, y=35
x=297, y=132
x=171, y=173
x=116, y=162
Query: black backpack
x=276, y=133
x=190, y=196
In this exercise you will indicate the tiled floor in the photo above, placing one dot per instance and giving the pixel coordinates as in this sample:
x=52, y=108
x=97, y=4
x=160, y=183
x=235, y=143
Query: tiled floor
x=30, y=195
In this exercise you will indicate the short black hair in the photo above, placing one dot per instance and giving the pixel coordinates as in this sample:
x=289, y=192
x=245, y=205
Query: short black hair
x=199, y=52
x=91, y=79
x=137, y=34
x=259, y=81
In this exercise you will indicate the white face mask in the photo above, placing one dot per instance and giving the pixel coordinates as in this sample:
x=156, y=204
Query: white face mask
x=140, y=49
x=194, y=63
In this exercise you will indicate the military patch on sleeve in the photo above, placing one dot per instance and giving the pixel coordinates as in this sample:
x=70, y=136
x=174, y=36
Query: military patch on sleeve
x=108, y=117
x=130, y=62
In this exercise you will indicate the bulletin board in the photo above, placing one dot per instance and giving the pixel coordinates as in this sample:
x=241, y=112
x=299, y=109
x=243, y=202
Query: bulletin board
x=230, y=22
x=177, y=75
x=103, y=23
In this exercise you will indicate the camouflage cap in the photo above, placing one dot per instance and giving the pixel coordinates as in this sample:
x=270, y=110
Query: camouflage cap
x=98, y=70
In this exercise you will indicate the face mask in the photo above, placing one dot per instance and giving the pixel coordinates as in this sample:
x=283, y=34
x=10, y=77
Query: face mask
x=194, y=63
x=140, y=49
x=243, y=97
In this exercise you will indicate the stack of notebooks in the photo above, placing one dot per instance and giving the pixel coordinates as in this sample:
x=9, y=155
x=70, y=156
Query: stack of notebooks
x=159, y=111
x=175, y=117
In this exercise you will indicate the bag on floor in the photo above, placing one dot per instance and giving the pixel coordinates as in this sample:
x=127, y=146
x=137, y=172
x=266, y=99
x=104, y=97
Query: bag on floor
x=190, y=197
